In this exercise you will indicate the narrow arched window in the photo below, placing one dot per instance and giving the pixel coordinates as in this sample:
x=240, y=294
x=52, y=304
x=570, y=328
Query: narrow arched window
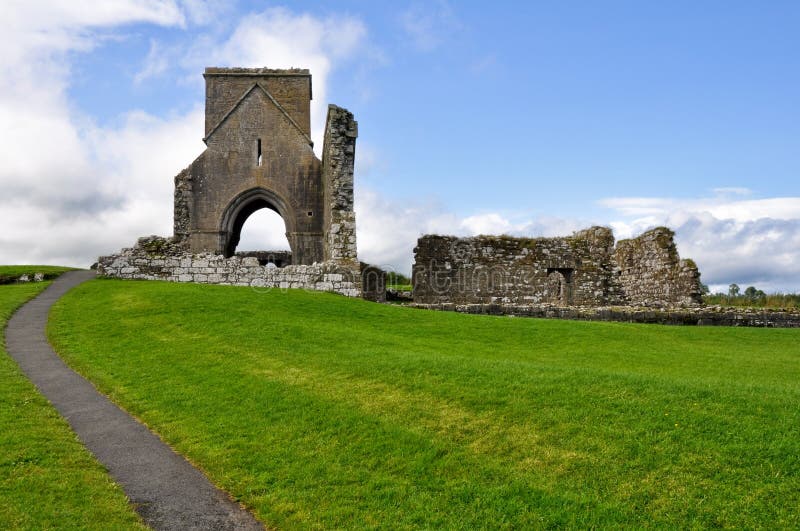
x=259, y=158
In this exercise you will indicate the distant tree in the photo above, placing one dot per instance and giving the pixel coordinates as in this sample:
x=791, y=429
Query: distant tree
x=395, y=278
x=733, y=290
x=704, y=289
x=754, y=296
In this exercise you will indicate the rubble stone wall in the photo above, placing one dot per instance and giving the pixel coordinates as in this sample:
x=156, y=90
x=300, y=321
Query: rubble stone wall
x=652, y=274
x=501, y=269
x=579, y=270
x=338, y=160
x=696, y=316
x=156, y=258
x=260, y=155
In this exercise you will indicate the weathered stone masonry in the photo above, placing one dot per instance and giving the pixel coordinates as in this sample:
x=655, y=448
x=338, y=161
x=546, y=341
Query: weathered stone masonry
x=259, y=155
x=155, y=258
x=585, y=269
x=697, y=316
x=337, y=167
x=652, y=274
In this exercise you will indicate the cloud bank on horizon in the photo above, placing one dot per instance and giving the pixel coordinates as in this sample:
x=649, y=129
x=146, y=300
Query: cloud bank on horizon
x=73, y=186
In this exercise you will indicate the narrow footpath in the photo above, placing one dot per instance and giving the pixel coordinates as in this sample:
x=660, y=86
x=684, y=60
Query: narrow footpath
x=164, y=488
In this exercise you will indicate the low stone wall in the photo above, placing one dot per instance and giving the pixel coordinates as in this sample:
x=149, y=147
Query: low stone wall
x=21, y=279
x=585, y=269
x=277, y=258
x=139, y=264
x=705, y=316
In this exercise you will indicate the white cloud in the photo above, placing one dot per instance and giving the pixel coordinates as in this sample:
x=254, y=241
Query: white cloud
x=427, y=25
x=264, y=230
x=72, y=190
x=275, y=38
x=125, y=193
x=733, y=240
x=155, y=64
x=34, y=31
x=76, y=15
x=203, y=12
x=388, y=229
x=720, y=206
x=279, y=39
x=56, y=194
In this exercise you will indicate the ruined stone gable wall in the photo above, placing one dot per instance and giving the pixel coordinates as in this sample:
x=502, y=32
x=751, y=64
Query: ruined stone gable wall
x=652, y=273
x=260, y=155
x=288, y=172
x=225, y=86
x=580, y=270
x=501, y=269
x=338, y=159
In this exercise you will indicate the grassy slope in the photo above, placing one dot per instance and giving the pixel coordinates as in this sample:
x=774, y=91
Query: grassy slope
x=47, y=478
x=322, y=411
x=10, y=273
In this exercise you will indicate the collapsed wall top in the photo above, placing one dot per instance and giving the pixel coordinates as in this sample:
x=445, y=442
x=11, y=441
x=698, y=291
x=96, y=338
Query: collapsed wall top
x=585, y=269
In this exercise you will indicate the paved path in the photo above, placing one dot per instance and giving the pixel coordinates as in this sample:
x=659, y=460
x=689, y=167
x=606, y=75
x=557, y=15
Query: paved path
x=167, y=491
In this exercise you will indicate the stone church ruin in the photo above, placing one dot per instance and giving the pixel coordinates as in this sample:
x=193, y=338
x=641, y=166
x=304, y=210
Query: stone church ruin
x=585, y=269
x=260, y=155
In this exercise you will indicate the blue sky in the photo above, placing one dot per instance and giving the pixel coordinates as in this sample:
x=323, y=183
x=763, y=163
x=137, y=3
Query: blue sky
x=533, y=118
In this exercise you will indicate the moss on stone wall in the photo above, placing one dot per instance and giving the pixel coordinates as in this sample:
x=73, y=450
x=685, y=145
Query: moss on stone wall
x=583, y=269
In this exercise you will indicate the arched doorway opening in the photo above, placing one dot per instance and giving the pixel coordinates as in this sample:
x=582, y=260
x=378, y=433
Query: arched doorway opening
x=258, y=223
x=263, y=236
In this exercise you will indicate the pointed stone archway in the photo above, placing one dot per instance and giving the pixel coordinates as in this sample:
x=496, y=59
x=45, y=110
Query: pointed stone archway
x=240, y=209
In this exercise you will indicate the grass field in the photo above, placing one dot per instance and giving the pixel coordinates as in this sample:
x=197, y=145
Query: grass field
x=48, y=480
x=319, y=411
x=10, y=273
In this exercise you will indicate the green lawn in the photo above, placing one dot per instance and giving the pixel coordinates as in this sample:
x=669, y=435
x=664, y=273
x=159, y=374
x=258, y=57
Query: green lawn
x=400, y=287
x=48, y=480
x=10, y=273
x=319, y=411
